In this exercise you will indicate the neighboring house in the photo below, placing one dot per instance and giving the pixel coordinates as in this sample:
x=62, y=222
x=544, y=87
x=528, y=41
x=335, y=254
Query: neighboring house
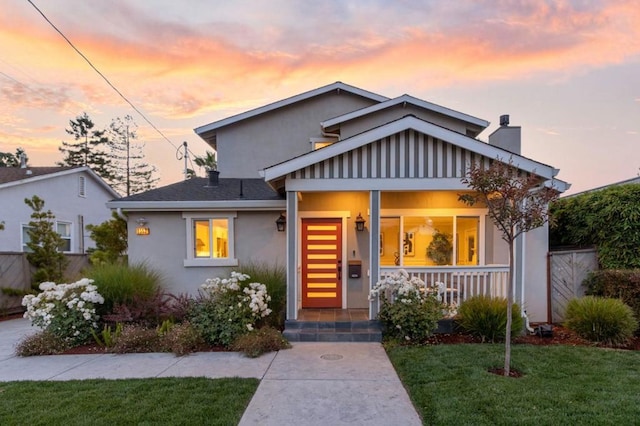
x=75, y=195
x=362, y=184
x=635, y=180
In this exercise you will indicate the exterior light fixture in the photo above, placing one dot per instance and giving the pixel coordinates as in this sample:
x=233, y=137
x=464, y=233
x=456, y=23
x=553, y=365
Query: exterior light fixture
x=142, y=228
x=281, y=223
x=360, y=223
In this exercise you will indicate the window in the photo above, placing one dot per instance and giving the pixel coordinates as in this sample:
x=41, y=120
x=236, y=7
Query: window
x=25, y=238
x=210, y=240
x=317, y=143
x=62, y=228
x=429, y=240
x=82, y=186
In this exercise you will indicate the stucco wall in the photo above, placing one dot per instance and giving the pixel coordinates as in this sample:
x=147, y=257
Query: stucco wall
x=535, y=279
x=370, y=121
x=256, y=239
x=271, y=138
x=60, y=195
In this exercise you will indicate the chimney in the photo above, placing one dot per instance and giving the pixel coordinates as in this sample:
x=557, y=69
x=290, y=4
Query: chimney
x=213, y=178
x=506, y=137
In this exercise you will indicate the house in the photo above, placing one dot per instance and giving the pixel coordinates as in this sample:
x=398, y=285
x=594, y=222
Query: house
x=360, y=184
x=75, y=195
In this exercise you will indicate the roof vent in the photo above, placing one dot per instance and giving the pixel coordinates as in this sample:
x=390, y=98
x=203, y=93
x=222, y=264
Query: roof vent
x=504, y=120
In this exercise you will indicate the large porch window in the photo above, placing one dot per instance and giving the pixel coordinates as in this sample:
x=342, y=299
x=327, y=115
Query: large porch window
x=429, y=240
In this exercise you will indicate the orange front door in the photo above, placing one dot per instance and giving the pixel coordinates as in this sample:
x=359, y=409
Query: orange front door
x=321, y=263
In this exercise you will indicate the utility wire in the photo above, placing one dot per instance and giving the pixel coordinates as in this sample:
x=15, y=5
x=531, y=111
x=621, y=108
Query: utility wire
x=102, y=75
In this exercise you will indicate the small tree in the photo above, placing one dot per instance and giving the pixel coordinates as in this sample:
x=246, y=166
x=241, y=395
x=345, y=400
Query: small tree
x=111, y=240
x=516, y=203
x=44, y=244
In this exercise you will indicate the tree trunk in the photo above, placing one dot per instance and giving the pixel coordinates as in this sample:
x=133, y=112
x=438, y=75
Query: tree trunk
x=510, y=287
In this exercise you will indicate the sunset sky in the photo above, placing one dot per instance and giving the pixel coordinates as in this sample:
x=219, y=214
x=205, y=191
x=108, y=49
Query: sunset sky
x=568, y=72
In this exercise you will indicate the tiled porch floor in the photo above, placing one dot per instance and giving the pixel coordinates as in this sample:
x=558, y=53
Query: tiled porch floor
x=333, y=315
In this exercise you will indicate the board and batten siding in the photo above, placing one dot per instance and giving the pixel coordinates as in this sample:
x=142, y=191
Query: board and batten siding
x=408, y=154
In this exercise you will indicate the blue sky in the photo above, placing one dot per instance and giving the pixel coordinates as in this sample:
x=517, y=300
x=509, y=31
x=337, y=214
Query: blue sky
x=568, y=72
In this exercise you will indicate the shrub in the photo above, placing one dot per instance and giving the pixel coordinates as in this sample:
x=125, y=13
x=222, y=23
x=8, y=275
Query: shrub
x=124, y=284
x=137, y=339
x=228, y=308
x=600, y=319
x=607, y=218
x=274, y=277
x=486, y=318
x=182, y=339
x=261, y=341
x=623, y=284
x=42, y=343
x=65, y=310
x=408, y=312
x=151, y=311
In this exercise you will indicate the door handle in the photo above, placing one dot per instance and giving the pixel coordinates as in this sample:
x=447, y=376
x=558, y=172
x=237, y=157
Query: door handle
x=340, y=269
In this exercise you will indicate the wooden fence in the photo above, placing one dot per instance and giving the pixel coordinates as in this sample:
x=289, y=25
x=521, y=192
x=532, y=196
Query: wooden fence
x=567, y=270
x=16, y=273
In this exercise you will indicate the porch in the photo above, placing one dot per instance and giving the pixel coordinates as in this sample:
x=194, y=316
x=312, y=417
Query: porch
x=460, y=283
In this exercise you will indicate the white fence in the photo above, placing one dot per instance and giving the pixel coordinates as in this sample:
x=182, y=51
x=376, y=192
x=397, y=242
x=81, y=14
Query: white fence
x=461, y=282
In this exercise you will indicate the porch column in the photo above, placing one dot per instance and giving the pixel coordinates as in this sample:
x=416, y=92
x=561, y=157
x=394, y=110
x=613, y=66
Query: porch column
x=292, y=267
x=374, y=247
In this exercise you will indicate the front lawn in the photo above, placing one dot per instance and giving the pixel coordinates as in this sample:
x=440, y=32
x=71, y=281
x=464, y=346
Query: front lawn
x=170, y=401
x=562, y=385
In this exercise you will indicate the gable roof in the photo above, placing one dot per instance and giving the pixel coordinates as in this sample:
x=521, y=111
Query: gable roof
x=409, y=100
x=280, y=171
x=207, y=132
x=13, y=176
x=197, y=193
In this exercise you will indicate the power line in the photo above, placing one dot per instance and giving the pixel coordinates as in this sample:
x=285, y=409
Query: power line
x=102, y=75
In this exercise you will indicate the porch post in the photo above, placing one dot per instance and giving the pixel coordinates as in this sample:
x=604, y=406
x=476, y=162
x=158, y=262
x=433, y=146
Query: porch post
x=374, y=247
x=292, y=278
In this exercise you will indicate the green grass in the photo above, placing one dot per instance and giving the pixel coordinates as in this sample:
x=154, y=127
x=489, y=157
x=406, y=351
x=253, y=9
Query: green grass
x=562, y=385
x=170, y=401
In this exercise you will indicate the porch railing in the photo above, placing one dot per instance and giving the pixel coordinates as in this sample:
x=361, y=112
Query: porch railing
x=460, y=283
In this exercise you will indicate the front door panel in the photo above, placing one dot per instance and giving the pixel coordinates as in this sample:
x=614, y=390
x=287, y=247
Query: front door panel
x=321, y=263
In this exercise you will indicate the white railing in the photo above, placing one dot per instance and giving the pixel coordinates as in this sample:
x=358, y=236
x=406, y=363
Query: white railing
x=461, y=282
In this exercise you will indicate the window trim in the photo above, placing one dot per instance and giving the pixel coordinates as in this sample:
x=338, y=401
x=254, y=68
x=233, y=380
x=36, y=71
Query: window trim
x=190, y=259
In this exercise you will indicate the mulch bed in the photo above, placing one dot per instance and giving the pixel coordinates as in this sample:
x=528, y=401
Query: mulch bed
x=561, y=336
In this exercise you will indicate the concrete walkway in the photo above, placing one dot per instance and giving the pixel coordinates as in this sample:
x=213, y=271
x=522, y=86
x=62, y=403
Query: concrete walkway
x=310, y=384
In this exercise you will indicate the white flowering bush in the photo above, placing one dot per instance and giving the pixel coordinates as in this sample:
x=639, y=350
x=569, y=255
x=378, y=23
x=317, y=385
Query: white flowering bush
x=409, y=312
x=229, y=307
x=65, y=310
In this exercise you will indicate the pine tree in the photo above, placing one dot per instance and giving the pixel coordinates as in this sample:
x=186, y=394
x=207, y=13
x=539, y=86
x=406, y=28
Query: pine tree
x=45, y=244
x=90, y=148
x=132, y=174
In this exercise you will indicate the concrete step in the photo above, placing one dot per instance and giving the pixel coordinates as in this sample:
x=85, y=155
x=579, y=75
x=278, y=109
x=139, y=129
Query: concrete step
x=333, y=331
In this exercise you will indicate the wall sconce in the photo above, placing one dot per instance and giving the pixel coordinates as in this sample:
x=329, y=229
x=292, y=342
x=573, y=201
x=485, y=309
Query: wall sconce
x=142, y=229
x=281, y=223
x=360, y=223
